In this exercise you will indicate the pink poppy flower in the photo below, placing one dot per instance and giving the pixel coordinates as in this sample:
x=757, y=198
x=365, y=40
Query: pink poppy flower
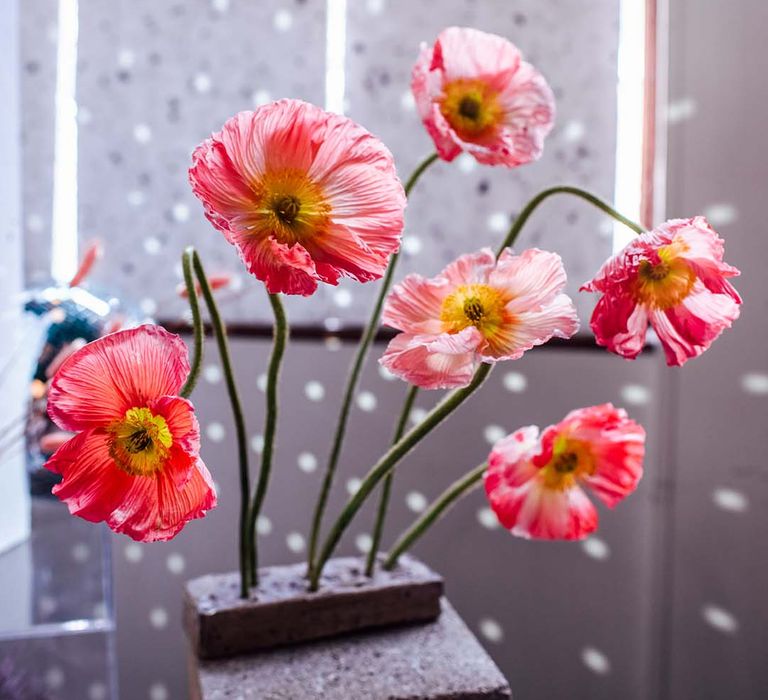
x=134, y=460
x=476, y=310
x=675, y=279
x=535, y=482
x=306, y=196
x=474, y=93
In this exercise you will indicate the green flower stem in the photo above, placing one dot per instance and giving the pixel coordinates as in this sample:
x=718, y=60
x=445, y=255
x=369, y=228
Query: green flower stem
x=389, y=461
x=237, y=411
x=197, y=324
x=352, y=381
x=453, y=493
x=529, y=208
x=386, y=489
x=280, y=338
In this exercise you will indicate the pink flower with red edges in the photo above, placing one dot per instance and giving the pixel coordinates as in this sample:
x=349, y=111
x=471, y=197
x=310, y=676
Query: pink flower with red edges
x=134, y=461
x=474, y=93
x=675, y=279
x=535, y=483
x=476, y=310
x=306, y=196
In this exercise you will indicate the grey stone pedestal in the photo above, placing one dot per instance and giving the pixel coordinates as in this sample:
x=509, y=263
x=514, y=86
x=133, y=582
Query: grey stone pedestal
x=440, y=660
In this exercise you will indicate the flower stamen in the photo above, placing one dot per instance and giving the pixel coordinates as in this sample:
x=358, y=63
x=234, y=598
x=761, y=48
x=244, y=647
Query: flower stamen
x=140, y=442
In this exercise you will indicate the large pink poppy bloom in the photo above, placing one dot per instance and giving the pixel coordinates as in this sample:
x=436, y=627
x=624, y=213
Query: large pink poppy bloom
x=476, y=310
x=134, y=461
x=675, y=279
x=306, y=196
x=535, y=483
x=474, y=93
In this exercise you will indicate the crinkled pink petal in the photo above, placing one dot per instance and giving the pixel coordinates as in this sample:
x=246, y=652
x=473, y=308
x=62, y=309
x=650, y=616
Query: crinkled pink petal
x=620, y=325
x=532, y=278
x=433, y=362
x=462, y=52
x=471, y=268
x=179, y=415
x=101, y=381
x=92, y=486
x=414, y=305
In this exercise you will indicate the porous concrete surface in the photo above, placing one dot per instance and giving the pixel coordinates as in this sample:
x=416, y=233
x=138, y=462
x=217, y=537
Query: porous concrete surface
x=441, y=660
x=282, y=611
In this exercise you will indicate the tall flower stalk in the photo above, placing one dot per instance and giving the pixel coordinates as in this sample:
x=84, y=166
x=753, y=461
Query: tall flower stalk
x=352, y=381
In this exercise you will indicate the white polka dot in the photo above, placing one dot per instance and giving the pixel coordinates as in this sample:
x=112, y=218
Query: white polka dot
x=142, y=133
x=84, y=115
x=417, y=415
x=263, y=525
x=407, y=102
x=126, y=58
x=487, y=518
x=54, y=678
x=81, y=552
x=152, y=246
x=416, y=501
x=133, y=552
x=515, y=382
x=353, y=485
x=342, y=298
x=295, y=542
x=148, y=306
x=755, y=383
x=261, y=97
x=498, y=222
x=158, y=691
x=314, y=390
x=680, y=110
x=635, y=394
x=730, y=499
x=202, y=83
x=385, y=374
x=595, y=660
x=366, y=401
x=375, y=7
x=136, y=198
x=158, y=618
x=364, y=542
x=97, y=691
x=466, y=163
x=261, y=382
x=307, y=462
x=491, y=630
x=493, y=433
x=215, y=432
x=721, y=214
x=283, y=20
x=332, y=343
x=35, y=223
x=180, y=212
x=175, y=563
x=412, y=245
x=46, y=605
x=332, y=324
x=220, y=5
x=574, y=131
x=212, y=374
x=257, y=444
x=596, y=548
x=720, y=619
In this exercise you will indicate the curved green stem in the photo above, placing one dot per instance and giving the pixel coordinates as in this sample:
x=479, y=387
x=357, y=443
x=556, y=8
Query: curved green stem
x=386, y=489
x=439, y=506
x=529, y=208
x=352, y=380
x=197, y=324
x=237, y=412
x=389, y=461
x=280, y=338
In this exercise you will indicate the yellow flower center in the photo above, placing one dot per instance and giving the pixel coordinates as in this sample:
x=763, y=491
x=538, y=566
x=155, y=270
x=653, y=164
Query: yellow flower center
x=478, y=305
x=472, y=108
x=663, y=285
x=291, y=207
x=571, y=460
x=140, y=442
